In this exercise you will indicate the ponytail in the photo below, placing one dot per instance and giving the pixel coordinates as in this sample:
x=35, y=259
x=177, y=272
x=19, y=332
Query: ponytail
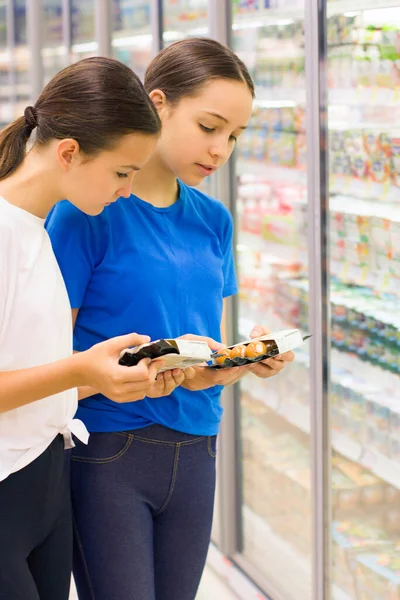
x=12, y=146
x=94, y=101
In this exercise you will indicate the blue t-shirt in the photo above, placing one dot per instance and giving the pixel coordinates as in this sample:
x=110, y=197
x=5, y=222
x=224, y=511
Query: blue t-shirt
x=158, y=271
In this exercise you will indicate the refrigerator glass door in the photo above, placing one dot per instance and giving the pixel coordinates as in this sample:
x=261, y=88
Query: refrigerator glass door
x=364, y=187
x=54, y=52
x=184, y=18
x=272, y=247
x=21, y=62
x=6, y=111
x=132, y=37
x=83, y=30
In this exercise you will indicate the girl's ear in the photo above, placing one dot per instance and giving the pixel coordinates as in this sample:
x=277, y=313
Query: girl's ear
x=67, y=153
x=159, y=100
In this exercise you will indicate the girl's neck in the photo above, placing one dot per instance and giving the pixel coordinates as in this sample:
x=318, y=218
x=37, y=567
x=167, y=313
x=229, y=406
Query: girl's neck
x=156, y=184
x=30, y=187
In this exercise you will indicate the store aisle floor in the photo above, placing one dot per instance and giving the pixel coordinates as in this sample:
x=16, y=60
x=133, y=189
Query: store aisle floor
x=211, y=588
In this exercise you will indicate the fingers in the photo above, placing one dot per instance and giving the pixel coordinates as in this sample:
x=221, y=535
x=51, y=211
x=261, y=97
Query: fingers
x=212, y=344
x=259, y=330
x=126, y=341
x=139, y=373
x=226, y=376
x=153, y=369
x=286, y=357
x=267, y=368
x=178, y=376
x=190, y=373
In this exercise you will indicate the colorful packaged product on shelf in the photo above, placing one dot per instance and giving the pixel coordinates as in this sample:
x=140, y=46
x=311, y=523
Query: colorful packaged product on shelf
x=288, y=119
x=274, y=148
x=371, y=141
x=300, y=119
x=379, y=168
x=337, y=140
x=359, y=165
x=287, y=149
x=395, y=152
x=259, y=144
x=352, y=538
x=379, y=575
x=358, y=533
x=301, y=151
x=244, y=144
x=273, y=119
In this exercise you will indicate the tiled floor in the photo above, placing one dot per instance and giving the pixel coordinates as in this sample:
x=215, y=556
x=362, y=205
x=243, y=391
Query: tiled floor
x=211, y=588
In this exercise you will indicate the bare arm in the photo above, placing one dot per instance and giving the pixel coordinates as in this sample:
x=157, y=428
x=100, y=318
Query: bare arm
x=84, y=391
x=97, y=368
x=18, y=388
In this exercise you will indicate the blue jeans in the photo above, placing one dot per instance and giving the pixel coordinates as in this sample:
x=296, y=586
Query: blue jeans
x=143, y=505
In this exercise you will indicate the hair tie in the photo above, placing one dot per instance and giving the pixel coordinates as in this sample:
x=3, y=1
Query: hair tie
x=30, y=115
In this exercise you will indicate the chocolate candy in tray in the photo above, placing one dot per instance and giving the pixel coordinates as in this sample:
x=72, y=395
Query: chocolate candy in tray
x=175, y=354
x=257, y=349
x=131, y=357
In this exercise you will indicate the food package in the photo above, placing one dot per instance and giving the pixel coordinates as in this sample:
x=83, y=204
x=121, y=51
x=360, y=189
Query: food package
x=257, y=349
x=175, y=354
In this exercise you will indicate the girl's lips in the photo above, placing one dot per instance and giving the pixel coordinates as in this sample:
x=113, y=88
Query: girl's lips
x=205, y=170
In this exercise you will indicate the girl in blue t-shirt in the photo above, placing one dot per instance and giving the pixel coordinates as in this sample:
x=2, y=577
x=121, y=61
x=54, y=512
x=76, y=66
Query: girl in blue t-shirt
x=159, y=262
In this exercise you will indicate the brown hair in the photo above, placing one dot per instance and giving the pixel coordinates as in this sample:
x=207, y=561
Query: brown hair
x=182, y=68
x=94, y=101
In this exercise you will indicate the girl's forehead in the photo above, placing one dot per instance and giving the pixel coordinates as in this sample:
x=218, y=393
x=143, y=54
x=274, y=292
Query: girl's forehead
x=229, y=99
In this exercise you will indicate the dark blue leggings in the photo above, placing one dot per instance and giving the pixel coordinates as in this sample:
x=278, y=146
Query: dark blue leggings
x=143, y=504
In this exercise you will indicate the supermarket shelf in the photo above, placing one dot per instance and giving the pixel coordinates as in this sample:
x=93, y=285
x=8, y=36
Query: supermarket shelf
x=285, y=15
x=299, y=416
x=358, y=188
x=338, y=7
x=267, y=17
x=177, y=30
x=360, y=96
x=370, y=96
x=271, y=172
x=264, y=546
x=283, y=96
x=278, y=553
x=125, y=39
x=363, y=188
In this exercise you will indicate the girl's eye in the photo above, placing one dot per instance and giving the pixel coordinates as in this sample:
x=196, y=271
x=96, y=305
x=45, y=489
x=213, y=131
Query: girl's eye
x=207, y=129
x=233, y=138
x=122, y=175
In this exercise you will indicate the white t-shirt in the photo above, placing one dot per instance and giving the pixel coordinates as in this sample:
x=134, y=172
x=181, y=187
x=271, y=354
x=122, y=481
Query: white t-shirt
x=35, y=329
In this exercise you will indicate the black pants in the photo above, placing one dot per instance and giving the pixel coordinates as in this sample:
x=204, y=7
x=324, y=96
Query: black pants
x=36, y=530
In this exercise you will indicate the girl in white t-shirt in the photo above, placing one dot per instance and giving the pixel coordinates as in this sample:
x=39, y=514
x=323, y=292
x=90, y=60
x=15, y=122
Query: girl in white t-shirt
x=93, y=126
